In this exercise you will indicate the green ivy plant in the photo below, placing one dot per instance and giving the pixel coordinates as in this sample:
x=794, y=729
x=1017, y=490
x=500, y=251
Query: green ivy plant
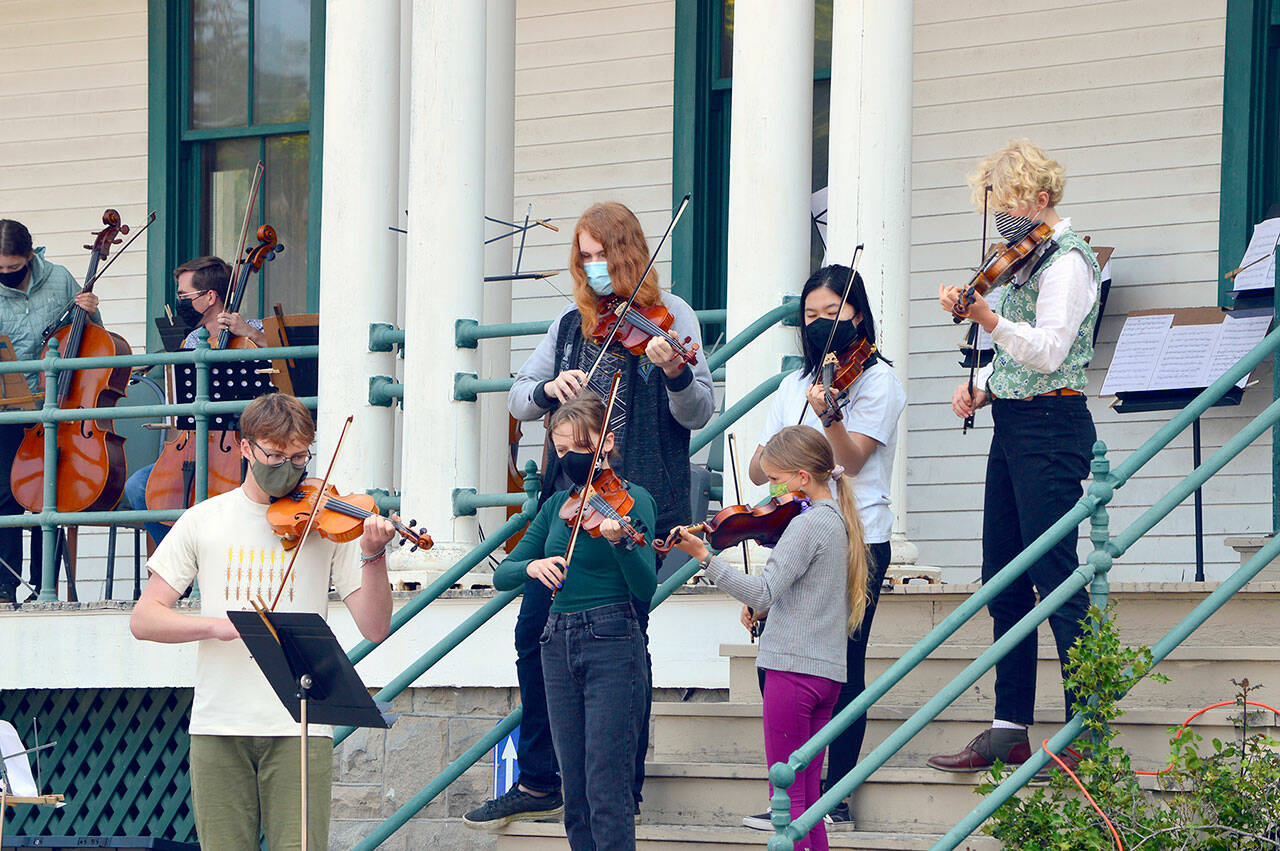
x=1227, y=797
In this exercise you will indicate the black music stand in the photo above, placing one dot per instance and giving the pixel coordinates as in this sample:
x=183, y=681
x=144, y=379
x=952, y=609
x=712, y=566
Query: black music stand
x=242, y=381
x=310, y=673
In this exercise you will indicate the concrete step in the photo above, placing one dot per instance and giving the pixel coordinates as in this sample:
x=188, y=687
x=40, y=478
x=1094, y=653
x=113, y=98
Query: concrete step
x=731, y=732
x=1200, y=675
x=894, y=800
x=549, y=836
x=1145, y=611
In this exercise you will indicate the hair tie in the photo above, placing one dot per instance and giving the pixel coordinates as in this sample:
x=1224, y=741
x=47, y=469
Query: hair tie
x=836, y=472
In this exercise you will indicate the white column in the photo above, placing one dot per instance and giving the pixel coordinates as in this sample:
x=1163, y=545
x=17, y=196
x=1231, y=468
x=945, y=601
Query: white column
x=770, y=176
x=445, y=263
x=361, y=167
x=869, y=200
x=499, y=190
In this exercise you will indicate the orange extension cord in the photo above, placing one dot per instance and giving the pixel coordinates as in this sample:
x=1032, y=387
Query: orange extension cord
x=1185, y=724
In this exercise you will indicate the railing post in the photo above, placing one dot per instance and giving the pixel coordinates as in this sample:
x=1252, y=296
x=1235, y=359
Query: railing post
x=782, y=776
x=1101, y=489
x=202, y=419
x=48, y=531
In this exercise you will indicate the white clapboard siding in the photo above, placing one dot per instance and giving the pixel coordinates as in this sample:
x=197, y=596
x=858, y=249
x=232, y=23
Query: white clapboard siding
x=73, y=90
x=594, y=93
x=1128, y=96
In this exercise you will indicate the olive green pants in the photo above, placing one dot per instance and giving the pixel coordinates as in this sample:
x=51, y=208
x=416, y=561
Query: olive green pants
x=243, y=785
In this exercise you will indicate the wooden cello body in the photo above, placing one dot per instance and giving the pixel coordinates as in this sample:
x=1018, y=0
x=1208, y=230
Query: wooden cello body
x=91, y=462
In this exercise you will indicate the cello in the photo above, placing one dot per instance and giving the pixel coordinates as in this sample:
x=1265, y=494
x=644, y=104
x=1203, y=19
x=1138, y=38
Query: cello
x=172, y=480
x=91, y=463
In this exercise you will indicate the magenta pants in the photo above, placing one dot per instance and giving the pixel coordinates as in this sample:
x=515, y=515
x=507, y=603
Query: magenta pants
x=795, y=707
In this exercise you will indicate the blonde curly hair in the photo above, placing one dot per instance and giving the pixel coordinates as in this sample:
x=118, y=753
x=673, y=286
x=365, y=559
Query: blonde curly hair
x=1017, y=173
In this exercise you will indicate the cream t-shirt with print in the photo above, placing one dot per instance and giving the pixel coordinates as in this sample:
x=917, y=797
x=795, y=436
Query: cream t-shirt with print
x=227, y=543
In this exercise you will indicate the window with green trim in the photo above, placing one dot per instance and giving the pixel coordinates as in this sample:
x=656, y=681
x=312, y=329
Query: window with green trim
x=1250, y=186
x=704, y=82
x=244, y=85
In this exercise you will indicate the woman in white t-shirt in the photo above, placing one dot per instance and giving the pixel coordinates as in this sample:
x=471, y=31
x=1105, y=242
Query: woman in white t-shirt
x=863, y=432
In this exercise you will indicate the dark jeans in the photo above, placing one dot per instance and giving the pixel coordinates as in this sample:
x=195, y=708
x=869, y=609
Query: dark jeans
x=135, y=491
x=536, y=756
x=842, y=756
x=1040, y=452
x=594, y=664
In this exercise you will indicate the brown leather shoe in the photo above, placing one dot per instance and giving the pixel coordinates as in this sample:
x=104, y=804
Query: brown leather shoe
x=1008, y=746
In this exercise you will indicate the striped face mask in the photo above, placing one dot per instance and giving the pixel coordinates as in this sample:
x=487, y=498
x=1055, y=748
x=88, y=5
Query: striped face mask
x=1012, y=228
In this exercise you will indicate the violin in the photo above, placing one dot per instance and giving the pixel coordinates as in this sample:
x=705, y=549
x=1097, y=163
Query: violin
x=840, y=371
x=91, y=462
x=606, y=497
x=339, y=518
x=998, y=263
x=636, y=326
x=734, y=524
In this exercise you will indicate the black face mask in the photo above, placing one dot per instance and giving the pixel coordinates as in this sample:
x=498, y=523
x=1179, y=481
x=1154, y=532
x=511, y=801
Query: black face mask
x=577, y=466
x=14, y=279
x=188, y=314
x=817, y=332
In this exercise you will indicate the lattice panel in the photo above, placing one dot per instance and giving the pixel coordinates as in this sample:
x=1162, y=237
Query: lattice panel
x=121, y=760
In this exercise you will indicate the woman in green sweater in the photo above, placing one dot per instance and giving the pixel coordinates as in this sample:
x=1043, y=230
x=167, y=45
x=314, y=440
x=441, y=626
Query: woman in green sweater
x=592, y=647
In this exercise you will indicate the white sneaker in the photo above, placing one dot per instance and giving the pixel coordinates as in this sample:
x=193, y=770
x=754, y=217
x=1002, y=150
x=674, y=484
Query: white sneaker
x=764, y=821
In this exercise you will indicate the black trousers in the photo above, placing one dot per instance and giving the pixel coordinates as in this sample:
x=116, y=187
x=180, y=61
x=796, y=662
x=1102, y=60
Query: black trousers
x=536, y=754
x=11, y=536
x=1040, y=452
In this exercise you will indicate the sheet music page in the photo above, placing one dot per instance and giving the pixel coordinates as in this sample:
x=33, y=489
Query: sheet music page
x=985, y=343
x=1185, y=357
x=1137, y=352
x=1262, y=274
x=1239, y=335
x=18, y=766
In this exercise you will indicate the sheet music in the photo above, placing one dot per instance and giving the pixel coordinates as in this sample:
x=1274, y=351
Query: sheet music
x=1184, y=357
x=1262, y=274
x=1239, y=335
x=985, y=343
x=17, y=766
x=1136, y=354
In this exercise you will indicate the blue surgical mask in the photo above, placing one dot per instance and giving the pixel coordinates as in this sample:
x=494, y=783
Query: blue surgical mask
x=598, y=277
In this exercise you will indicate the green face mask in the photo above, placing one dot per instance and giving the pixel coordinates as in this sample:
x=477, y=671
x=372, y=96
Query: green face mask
x=778, y=489
x=277, y=481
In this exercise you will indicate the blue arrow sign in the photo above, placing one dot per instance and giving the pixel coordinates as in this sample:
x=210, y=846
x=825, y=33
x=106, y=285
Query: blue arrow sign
x=506, y=771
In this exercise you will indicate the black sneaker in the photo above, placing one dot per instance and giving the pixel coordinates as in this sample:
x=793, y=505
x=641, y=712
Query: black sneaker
x=764, y=821
x=515, y=805
x=637, y=812
x=840, y=818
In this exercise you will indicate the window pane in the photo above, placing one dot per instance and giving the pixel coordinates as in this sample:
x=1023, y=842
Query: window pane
x=286, y=191
x=219, y=63
x=228, y=173
x=281, y=61
x=822, y=11
x=821, y=155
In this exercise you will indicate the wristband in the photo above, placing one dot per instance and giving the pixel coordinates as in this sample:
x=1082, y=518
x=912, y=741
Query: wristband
x=364, y=559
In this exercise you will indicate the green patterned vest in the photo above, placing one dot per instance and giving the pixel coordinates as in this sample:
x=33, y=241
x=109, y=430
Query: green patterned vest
x=1012, y=380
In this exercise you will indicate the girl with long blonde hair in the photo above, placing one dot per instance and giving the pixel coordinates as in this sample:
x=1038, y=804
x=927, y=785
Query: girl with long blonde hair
x=819, y=560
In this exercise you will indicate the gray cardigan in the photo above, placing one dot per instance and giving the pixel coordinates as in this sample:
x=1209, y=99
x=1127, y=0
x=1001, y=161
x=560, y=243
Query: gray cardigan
x=804, y=588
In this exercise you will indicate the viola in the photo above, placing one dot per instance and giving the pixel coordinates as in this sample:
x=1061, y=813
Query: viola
x=734, y=524
x=636, y=326
x=338, y=518
x=840, y=371
x=91, y=462
x=606, y=498
x=998, y=263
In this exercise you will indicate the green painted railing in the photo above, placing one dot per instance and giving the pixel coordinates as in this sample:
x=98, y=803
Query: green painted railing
x=1091, y=506
x=201, y=409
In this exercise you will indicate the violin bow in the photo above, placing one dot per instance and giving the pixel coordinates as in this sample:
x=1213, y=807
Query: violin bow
x=311, y=517
x=737, y=495
x=826, y=349
x=973, y=326
x=595, y=460
x=613, y=332
x=244, y=232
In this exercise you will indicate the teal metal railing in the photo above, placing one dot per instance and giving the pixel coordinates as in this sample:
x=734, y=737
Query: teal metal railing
x=201, y=409
x=466, y=501
x=1092, y=506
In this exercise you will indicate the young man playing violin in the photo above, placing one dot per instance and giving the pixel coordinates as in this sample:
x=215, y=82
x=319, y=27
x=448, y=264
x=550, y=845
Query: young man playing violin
x=244, y=744
x=202, y=288
x=1043, y=433
x=660, y=399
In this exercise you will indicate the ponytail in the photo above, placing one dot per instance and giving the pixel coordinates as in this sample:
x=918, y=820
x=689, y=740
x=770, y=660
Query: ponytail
x=858, y=566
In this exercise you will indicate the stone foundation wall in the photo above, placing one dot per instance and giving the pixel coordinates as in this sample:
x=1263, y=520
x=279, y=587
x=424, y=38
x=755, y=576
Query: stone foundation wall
x=376, y=771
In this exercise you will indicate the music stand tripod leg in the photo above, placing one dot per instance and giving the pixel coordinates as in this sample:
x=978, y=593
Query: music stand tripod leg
x=304, y=686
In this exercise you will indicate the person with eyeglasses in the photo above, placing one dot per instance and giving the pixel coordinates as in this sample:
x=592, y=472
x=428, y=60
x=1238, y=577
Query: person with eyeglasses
x=244, y=744
x=202, y=287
